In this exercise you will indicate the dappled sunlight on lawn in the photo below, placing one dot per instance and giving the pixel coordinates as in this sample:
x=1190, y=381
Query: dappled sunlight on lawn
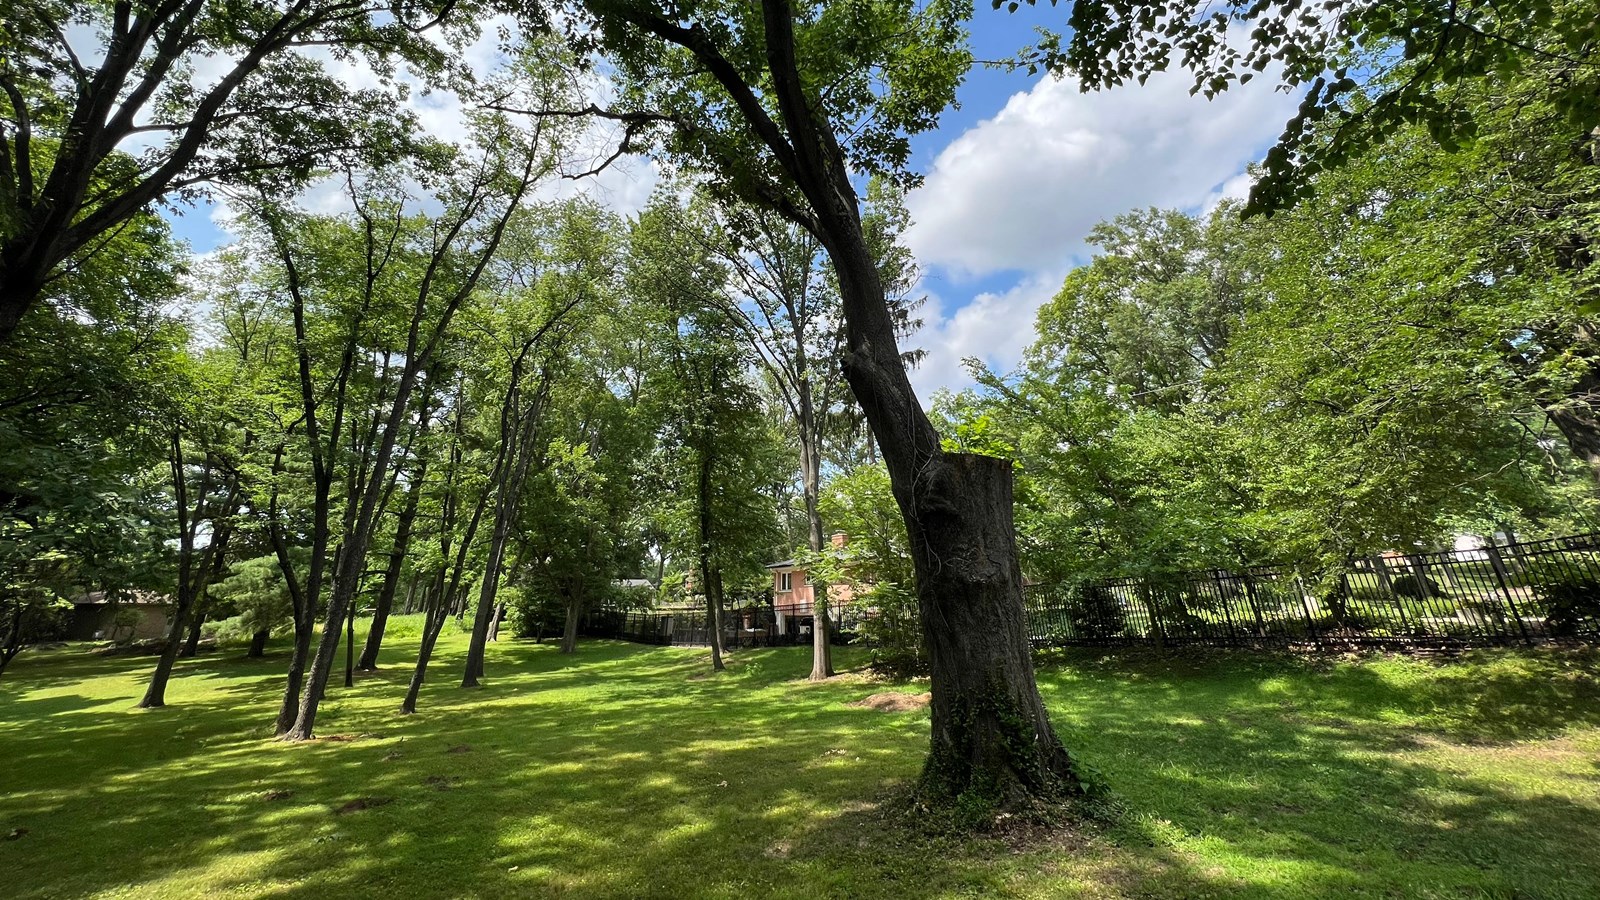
x=625, y=771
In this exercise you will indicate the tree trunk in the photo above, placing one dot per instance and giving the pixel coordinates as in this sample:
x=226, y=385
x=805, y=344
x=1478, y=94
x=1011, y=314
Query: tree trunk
x=821, y=626
x=993, y=746
x=258, y=643
x=155, y=696
x=811, y=490
x=992, y=739
x=437, y=613
x=191, y=644
x=391, y=575
x=569, y=633
x=713, y=585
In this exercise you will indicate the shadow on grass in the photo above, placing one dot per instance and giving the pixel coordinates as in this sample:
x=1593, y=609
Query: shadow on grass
x=622, y=771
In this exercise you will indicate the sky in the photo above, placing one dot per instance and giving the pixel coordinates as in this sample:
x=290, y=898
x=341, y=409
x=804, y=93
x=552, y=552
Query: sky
x=1016, y=175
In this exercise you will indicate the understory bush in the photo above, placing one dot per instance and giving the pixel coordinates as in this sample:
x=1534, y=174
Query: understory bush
x=1571, y=599
x=894, y=630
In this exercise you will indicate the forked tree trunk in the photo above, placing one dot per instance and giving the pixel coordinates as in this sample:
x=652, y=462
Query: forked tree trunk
x=569, y=633
x=713, y=583
x=437, y=611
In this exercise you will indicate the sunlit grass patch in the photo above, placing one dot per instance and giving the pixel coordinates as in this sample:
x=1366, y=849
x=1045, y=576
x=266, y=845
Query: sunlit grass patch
x=628, y=771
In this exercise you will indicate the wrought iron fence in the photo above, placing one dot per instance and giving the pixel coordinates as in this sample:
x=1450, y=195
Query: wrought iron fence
x=750, y=621
x=1519, y=593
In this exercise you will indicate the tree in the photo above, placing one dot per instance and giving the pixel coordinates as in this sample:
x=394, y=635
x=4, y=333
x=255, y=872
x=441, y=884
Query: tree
x=467, y=237
x=757, y=98
x=569, y=272
x=82, y=399
x=1369, y=68
x=717, y=448
x=786, y=309
x=66, y=184
x=206, y=495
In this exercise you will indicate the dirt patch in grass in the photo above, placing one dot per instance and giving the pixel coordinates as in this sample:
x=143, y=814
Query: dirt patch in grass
x=276, y=795
x=459, y=748
x=894, y=702
x=361, y=803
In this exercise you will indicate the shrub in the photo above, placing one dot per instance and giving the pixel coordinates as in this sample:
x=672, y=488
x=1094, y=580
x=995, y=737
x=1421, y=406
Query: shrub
x=1571, y=599
x=894, y=630
x=1097, y=614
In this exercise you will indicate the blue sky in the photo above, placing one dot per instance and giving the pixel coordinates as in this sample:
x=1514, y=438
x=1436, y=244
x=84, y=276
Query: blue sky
x=1016, y=176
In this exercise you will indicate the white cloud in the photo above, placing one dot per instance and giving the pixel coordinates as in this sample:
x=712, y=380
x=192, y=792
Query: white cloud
x=1235, y=188
x=1021, y=190
x=994, y=327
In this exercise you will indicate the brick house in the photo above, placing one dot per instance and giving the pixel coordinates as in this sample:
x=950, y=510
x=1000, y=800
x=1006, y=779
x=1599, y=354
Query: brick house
x=793, y=595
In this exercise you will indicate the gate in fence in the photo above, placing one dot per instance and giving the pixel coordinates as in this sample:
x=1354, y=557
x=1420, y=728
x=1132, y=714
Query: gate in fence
x=1521, y=593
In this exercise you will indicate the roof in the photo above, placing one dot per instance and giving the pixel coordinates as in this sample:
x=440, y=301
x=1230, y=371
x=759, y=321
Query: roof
x=786, y=564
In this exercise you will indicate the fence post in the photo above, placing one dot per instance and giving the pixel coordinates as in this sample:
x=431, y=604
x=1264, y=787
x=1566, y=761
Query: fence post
x=1499, y=566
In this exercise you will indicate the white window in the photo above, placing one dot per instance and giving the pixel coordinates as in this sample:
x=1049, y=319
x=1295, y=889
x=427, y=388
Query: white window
x=785, y=581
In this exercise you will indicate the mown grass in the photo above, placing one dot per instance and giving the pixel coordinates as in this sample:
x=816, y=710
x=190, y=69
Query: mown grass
x=628, y=771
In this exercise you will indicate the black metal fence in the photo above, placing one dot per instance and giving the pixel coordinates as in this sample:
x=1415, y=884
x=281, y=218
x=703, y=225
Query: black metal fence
x=750, y=621
x=1519, y=593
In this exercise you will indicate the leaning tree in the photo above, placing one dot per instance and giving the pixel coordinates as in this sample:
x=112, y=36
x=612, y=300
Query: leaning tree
x=782, y=105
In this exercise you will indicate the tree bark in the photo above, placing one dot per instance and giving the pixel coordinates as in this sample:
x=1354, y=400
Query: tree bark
x=811, y=491
x=992, y=742
x=569, y=631
x=391, y=575
x=197, y=622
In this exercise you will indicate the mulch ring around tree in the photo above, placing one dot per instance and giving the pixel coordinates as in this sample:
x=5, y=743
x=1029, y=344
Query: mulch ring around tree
x=894, y=702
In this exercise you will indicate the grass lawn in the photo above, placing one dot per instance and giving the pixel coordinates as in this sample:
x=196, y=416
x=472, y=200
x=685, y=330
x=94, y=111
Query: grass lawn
x=628, y=771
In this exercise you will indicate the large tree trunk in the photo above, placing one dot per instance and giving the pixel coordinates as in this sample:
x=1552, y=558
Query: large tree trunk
x=992, y=744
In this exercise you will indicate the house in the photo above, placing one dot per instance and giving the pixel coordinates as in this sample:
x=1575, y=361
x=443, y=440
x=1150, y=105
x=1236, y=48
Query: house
x=794, y=597
x=139, y=615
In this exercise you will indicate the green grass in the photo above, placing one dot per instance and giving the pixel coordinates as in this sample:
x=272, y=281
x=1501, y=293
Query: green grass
x=630, y=771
